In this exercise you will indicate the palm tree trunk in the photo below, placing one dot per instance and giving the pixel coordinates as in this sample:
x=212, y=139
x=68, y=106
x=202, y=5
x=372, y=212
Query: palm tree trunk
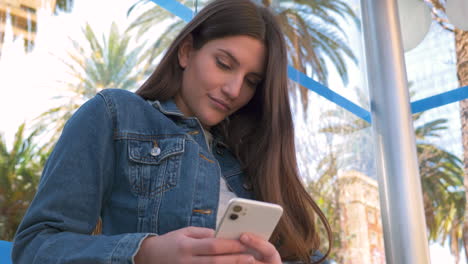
x=461, y=40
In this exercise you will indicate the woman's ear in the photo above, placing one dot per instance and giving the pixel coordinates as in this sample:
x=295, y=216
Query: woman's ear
x=185, y=50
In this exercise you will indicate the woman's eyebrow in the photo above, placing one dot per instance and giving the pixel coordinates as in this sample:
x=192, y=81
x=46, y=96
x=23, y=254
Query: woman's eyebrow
x=229, y=54
x=233, y=58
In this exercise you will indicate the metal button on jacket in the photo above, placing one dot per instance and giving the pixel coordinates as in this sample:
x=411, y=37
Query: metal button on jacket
x=155, y=151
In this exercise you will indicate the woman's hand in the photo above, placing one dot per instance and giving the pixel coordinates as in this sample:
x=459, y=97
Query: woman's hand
x=192, y=245
x=267, y=253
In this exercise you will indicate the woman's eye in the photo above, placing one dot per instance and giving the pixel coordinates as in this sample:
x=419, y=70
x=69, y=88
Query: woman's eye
x=222, y=65
x=252, y=83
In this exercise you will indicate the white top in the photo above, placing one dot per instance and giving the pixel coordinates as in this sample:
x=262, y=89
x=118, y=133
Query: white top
x=224, y=196
x=224, y=193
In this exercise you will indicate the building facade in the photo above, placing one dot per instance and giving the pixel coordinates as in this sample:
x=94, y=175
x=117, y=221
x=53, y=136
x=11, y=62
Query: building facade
x=22, y=15
x=361, y=226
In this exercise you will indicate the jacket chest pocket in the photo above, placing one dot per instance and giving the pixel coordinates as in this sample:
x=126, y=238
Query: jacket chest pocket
x=154, y=164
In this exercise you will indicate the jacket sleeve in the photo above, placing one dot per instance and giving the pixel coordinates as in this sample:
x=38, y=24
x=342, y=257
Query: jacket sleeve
x=74, y=185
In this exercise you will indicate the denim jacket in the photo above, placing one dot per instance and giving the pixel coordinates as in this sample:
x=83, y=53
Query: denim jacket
x=142, y=167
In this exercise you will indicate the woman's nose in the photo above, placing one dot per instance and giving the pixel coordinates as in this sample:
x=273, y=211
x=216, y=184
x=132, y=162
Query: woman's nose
x=233, y=87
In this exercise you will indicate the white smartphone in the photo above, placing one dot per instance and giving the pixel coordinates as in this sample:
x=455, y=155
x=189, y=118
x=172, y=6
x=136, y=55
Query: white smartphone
x=244, y=215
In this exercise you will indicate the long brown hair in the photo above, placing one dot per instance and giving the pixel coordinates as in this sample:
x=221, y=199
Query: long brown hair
x=261, y=133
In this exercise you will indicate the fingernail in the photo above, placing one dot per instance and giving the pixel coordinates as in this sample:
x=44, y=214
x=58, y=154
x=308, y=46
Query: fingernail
x=245, y=238
x=251, y=260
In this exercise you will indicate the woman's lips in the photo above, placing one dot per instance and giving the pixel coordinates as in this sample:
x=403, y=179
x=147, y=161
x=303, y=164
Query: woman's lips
x=220, y=104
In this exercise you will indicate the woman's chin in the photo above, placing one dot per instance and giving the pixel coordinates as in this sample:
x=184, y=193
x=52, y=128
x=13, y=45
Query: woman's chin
x=211, y=121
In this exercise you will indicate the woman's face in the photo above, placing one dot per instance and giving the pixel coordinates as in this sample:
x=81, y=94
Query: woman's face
x=219, y=78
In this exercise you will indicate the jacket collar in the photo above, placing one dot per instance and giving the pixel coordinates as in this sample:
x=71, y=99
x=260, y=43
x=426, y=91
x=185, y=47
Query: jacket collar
x=170, y=108
x=167, y=107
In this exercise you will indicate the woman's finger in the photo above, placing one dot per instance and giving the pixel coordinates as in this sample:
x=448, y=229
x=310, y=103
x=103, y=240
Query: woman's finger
x=234, y=259
x=217, y=246
x=265, y=248
x=198, y=232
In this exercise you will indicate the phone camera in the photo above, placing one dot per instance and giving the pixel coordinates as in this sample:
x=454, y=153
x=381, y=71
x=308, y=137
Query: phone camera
x=237, y=208
x=233, y=216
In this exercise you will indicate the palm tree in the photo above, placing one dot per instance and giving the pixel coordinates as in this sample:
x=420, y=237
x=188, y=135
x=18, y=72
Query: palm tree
x=20, y=170
x=441, y=172
x=461, y=44
x=325, y=192
x=312, y=31
x=64, y=5
x=353, y=156
x=442, y=182
x=146, y=21
x=96, y=65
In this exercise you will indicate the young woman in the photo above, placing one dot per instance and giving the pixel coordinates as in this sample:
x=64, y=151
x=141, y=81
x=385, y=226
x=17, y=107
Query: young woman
x=158, y=167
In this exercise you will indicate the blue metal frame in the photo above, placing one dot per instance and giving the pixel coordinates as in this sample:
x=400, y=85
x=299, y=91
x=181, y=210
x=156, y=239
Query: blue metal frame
x=5, y=252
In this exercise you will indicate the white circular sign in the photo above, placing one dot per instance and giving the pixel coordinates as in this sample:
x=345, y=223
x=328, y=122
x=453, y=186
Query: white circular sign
x=415, y=20
x=457, y=12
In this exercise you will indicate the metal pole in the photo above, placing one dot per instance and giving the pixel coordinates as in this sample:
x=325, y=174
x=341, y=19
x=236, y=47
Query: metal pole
x=398, y=175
